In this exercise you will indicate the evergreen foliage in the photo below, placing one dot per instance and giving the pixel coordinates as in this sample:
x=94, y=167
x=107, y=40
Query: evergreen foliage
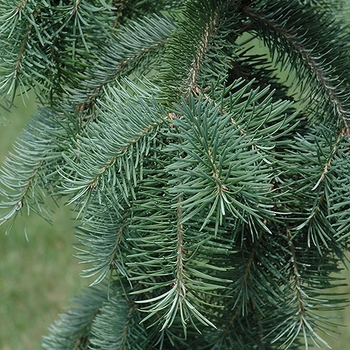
x=204, y=146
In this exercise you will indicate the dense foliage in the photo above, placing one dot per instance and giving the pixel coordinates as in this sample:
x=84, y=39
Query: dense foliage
x=204, y=146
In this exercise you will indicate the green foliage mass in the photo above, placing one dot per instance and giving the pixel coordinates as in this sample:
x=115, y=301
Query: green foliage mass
x=204, y=147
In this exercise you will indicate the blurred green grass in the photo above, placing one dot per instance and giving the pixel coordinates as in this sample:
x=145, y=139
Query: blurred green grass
x=38, y=276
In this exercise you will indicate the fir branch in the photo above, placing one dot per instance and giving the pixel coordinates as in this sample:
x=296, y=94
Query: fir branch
x=318, y=61
x=28, y=173
x=244, y=282
x=102, y=243
x=306, y=298
x=339, y=207
x=187, y=50
x=313, y=220
x=111, y=332
x=73, y=329
x=124, y=55
x=20, y=24
x=109, y=152
x=301, y=296
x=201, y=51
x=179, y=282
x=336, y=145
x=174, y=299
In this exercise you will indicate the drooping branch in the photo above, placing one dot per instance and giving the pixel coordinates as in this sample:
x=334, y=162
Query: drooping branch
x=202, y=49
x=316, y=64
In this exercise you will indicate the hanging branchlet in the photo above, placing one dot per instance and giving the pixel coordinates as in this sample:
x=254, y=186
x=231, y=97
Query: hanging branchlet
x=318, y=60
x=201, y=51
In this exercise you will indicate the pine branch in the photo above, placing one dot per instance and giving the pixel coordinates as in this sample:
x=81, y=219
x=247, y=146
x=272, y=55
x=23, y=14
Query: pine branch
x=50, y=50
x=188, y=51
x=132, y=50
x=73, y=330
x=317, y=58
x=28, y=174
x=124, y=332
x=307, y=299
x=133, y=129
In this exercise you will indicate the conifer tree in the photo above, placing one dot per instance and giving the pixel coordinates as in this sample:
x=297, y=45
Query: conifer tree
x=204, y=148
